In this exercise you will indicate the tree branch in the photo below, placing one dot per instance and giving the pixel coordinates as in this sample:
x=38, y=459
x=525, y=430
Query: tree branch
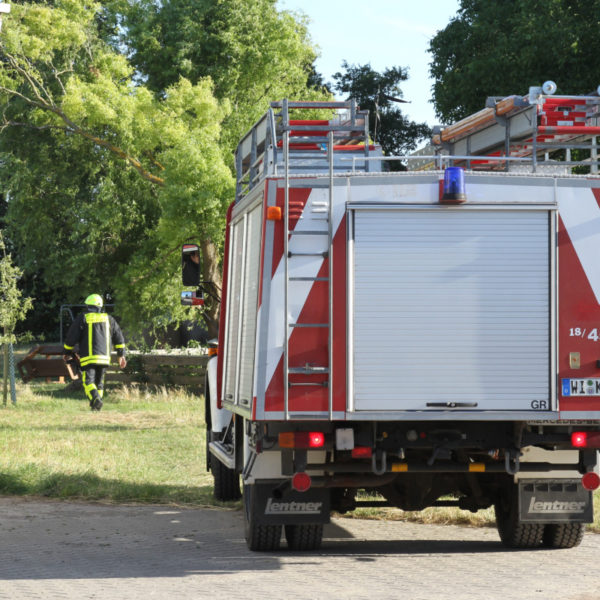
x=43, y=100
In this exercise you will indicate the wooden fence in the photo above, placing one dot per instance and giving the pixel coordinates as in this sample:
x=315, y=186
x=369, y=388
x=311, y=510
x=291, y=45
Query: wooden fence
x=166, y=369
x=161, y=369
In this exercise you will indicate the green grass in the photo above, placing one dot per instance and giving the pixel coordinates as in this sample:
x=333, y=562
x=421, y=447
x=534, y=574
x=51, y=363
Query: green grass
x=144, y=446
x=147, y=445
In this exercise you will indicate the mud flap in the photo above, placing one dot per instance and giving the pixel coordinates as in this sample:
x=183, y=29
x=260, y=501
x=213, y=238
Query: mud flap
x=288, y=507
x=554, y=501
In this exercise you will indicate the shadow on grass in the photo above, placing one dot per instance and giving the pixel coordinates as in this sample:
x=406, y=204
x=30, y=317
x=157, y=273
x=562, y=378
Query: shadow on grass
x=73, y=391
x=89, y=486
x=93, y=427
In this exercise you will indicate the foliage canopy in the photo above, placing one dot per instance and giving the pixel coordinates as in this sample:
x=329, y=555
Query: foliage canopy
x=503, y=47
x=13, y=307
x=111, y=164
x=380, y=93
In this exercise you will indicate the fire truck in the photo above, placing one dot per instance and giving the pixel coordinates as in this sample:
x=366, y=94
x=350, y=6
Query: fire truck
x=416, y=338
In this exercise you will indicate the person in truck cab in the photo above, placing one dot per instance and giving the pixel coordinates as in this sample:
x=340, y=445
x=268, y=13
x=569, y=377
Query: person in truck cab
x=94, y=331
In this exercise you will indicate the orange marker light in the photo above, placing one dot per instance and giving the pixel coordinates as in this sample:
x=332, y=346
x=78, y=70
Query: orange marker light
x=274, y=213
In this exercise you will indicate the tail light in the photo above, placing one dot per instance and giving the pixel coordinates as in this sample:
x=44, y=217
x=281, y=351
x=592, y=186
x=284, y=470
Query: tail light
x=585, y=439
x=362, y=452
x=302, y=439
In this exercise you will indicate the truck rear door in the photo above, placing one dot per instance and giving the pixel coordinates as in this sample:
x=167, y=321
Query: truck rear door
x=452, y=308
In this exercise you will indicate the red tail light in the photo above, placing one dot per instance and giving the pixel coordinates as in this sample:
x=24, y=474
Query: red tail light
x=362, y=452
x=585, y=439
x=302, y=439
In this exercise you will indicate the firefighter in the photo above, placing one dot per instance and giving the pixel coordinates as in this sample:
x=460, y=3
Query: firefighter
x=94, y=330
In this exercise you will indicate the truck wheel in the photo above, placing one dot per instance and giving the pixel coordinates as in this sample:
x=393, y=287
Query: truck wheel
x=513, y=532
x=304, y=537
x=259, y=538
x=226, y=481
x=563, y=535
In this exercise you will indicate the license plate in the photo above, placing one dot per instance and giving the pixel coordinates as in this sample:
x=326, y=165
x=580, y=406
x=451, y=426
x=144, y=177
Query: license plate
x=581, y=387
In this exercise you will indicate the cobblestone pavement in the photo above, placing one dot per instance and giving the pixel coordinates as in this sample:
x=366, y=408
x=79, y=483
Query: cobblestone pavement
x=80, y=551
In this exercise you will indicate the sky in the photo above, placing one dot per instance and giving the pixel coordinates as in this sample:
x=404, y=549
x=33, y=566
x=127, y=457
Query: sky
x=384, y=33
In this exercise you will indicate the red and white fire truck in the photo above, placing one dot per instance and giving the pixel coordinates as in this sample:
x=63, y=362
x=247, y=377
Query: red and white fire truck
x=429, y=337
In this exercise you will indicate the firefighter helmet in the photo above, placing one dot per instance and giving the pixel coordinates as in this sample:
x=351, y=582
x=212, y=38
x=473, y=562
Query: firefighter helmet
x=94, y=300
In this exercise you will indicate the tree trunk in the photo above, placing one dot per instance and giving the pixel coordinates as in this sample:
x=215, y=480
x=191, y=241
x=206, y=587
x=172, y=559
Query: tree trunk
x=211, y=273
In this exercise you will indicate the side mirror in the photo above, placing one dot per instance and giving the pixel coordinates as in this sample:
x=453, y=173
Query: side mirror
x=190, y=265
x=192, y=298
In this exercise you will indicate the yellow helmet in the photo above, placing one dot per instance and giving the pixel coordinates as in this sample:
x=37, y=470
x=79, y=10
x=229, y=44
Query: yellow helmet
x=94, y=300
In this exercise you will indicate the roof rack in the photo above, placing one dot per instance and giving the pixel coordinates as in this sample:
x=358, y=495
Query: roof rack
x=261, y=153
x=533, y=127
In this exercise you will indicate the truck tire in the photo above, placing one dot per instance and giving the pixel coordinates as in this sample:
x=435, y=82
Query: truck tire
x=304, y=537
x=259, y=538
x=226, y=481
x=513, y=532
x=563, y=535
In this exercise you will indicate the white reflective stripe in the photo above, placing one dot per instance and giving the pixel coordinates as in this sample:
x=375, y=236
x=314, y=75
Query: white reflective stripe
x=579, y=210
x=307, y=267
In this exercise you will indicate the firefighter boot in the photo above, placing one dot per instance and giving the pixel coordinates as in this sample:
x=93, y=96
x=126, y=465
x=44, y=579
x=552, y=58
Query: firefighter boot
x=95, y=402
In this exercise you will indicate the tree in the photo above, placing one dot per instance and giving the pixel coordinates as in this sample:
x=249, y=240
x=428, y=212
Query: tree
x=379, y=93
x=13, y=307
x=60, y=81
x=251, y=51
x=112, y=165
x=502, y=48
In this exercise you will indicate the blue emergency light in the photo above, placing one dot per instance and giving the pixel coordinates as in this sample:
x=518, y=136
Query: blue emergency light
x=454, y=186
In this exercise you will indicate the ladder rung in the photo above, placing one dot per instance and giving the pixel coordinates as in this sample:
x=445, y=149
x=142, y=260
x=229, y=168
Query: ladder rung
x=309, y=324
x=308, y=370
x=309, y=232
x=309, y=278
x=310, y=128
x=323, y=254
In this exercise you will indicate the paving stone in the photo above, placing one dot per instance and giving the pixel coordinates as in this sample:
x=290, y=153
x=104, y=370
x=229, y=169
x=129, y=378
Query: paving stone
x=68, y=551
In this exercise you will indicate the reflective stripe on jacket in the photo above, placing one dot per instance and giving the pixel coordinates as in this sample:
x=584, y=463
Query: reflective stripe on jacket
x=94, y=331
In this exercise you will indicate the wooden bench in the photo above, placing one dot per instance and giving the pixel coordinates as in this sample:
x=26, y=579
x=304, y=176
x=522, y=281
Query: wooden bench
x=46, y=362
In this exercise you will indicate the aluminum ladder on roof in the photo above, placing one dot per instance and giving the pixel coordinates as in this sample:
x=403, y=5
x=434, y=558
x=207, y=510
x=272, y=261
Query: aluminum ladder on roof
x=525, y=129
x=307, y=135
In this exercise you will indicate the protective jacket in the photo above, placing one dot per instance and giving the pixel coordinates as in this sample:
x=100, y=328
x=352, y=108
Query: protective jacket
x=94, y=331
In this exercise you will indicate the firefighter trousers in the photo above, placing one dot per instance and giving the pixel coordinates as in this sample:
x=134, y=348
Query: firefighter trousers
x=93, y=384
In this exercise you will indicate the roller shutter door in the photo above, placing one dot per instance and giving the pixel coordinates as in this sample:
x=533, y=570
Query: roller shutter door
x=451, y=306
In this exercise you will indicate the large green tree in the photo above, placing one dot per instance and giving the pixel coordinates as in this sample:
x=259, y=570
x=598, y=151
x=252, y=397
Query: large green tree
x=94, y=128
x=111, y=164
x=503, y=47
x=251, y=51
x=380, y=94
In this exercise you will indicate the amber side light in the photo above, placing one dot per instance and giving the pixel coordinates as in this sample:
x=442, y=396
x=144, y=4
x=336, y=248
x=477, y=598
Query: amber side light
x=274, y=213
